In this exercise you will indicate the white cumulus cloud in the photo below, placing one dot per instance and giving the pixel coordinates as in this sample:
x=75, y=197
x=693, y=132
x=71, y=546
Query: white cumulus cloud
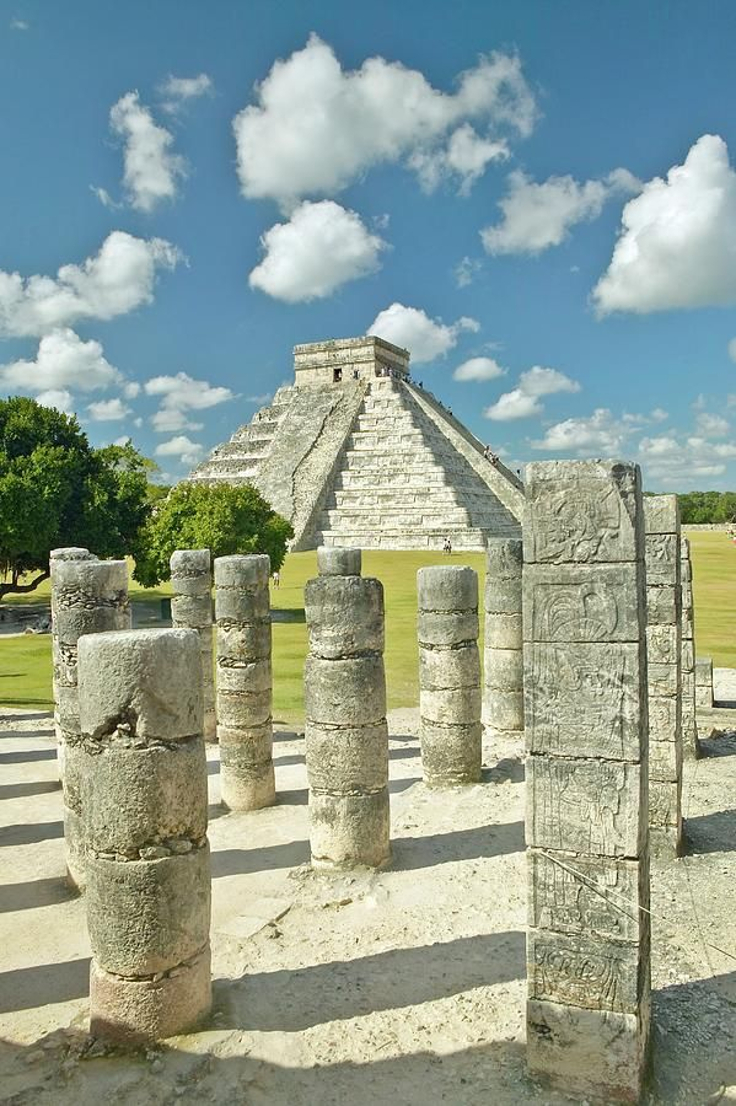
x=599, y=434
x=677, y=245
x=182, y=393
x=152, y=170
x=315, y=127
x=523, y=401
x=412, y=329
x=182, y=447
x=538, y=216
x=118, y=279
x=63, y=362
x=668, y=459
x=108, y=410
x=59, y=398
x=321, y=247
x=711, y=426
x=179, y=90
x=478, y=368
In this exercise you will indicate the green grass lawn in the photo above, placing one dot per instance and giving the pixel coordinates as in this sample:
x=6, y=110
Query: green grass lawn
x=714, y=592
x=25, y=662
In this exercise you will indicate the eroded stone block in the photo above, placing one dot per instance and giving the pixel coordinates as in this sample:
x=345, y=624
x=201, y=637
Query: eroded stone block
x=583, y=603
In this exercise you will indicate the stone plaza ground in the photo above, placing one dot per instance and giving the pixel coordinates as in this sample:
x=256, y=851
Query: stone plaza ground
x=405, y=986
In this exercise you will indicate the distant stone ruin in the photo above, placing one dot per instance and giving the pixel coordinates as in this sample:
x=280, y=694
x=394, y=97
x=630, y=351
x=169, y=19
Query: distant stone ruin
x=354, y=453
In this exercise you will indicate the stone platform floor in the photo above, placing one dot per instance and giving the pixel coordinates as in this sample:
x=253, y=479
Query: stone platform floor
x=405, y=986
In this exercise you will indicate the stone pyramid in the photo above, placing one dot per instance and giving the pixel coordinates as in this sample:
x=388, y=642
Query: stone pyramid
x=356, y=453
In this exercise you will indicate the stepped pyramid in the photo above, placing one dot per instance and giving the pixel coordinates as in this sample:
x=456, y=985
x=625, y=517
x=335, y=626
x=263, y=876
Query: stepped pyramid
x=355, y=453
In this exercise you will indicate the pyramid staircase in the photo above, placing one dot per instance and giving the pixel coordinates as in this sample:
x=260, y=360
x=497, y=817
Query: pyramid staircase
x=403, y=484
x=239, y=460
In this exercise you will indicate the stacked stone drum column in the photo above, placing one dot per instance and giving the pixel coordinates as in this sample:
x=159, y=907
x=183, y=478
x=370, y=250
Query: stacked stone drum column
x=449, y=675
x=88, y=597
x=503, y=658
x=60, y=668
x=664, y=644
x=345, y=706
x=145, y=812
x=191, y=609
x=588, y=1008
x=704, y=683
x=690, y=744
x=244, y=682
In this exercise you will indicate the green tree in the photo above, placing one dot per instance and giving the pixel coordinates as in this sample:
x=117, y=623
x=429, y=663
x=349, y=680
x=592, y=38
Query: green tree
x=56, y=490
x=223, y=518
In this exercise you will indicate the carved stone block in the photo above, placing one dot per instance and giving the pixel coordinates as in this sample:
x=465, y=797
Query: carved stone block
x=597, y=896
x=585, y=806
x=583, y=603
x=585, y=700
x=595, y=974
x=581, y=512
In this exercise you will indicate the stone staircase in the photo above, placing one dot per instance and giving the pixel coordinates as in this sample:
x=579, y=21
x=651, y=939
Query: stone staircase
x=401, y=483
x=239, y=459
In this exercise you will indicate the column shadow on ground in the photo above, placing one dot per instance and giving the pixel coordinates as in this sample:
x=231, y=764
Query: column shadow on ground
x=26, y=756
x=292, y=1000
x=43, y=984
x=410, y=853
x=23, y=834
x=693, y=1044
x=26, y=790
x=35, y=893
x=711, y=833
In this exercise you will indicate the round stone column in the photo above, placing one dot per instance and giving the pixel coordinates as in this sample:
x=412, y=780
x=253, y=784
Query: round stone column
x=503, y=655
x=59, y=674
x=244, y=682
x=191, y=609
x=145, y=809
x=449, y=675
x=88, y=597
x=346, y=734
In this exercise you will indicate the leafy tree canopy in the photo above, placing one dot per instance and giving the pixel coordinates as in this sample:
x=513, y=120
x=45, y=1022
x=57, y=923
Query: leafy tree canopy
x=56, y=490
x=223, y=518
x=707, y=507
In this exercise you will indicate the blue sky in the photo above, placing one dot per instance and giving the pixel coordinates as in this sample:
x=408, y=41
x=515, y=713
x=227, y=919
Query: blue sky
x=538, y=199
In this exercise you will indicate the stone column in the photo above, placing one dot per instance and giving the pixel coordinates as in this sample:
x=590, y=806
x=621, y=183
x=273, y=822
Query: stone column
x=588, y=1008
x=191, y=608
x=449, y=675
x=346, y=733
x=59, y=671
x=145, y=813
x=245, y=723
x=690, y=744
x=503, y=658
x=88, y=597
x=664, y=643
x=338, y=561
x=704, y=683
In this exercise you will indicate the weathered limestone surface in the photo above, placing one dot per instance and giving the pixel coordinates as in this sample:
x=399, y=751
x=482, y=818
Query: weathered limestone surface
x=449, y=675
x=704, y=682
x=345, y=729
x=191, y=608
x=503, y=667
x=664, y=653
x=87, y=597
x=68, y=553
x=586, y=702
x=244, y=681
x=690, y=743
x=355, y=454
x=144, y=788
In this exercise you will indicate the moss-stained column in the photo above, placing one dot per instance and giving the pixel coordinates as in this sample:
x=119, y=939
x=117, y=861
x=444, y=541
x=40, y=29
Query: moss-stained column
x=60, y=675
x=449, y=675
x=244, y=720
x=345, y=706
x=704, y=683
x=503, y=658
x=145, y=820
x=191, y=609
x=585, y=673
x=690, y=744
x=664, y=644
x=88, y=597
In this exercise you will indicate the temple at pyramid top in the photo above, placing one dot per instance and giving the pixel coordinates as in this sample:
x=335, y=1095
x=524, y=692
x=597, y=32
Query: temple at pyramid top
x=356, y=453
